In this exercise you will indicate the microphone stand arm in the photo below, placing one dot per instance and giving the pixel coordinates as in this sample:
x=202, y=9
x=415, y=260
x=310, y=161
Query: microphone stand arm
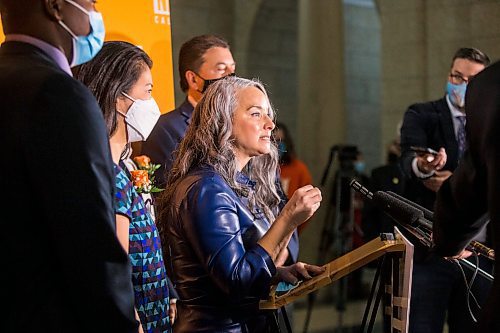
x=473, y=267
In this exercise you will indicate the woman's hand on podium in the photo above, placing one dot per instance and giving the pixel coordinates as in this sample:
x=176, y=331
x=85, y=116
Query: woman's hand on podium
x=298, y=271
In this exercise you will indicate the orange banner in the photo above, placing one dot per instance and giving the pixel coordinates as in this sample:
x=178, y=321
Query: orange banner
x=145, y=23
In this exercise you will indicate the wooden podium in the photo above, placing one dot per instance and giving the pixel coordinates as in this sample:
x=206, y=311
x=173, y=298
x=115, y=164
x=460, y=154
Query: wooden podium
x=396, y=254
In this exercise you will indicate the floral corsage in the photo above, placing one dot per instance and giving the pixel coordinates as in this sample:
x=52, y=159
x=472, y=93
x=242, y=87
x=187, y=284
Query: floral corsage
x=143, y=178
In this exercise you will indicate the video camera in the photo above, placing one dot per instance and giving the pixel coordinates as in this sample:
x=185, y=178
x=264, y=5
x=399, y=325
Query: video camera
x=347, y=154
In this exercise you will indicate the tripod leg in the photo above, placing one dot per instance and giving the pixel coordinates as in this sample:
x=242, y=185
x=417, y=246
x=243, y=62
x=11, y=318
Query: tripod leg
x=379, y=297
x=310, y=303
x=286, y=320
x=276, y=322
x=376, y=281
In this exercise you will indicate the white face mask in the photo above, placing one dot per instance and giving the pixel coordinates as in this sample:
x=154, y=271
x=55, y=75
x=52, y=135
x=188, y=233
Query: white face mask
x=141, y=118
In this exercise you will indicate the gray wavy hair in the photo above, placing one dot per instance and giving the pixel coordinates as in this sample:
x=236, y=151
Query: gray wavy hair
x=209, y=141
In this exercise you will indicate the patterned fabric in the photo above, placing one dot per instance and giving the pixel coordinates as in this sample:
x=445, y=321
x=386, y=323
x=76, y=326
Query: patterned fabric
x=461, y=137
x=148, y=270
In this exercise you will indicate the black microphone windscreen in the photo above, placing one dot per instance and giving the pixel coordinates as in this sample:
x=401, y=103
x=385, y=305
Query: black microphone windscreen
x=428, y=215
x=399, y=210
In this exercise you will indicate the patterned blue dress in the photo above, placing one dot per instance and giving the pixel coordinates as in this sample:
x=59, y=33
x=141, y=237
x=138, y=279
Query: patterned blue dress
x=148, y=269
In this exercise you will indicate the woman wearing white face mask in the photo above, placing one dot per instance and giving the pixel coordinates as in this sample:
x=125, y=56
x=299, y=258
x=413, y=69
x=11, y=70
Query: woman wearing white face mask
x=120, y=78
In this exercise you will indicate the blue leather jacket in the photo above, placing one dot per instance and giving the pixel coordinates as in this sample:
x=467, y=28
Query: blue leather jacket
x=219, y=269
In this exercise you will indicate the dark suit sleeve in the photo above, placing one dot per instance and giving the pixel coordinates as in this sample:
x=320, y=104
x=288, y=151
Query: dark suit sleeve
x=71, y=161
x=160, y=147
x=413, y=133
x=458, y=206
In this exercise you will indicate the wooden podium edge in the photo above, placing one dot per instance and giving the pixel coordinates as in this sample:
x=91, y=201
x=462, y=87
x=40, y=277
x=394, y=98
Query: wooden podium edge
x=335, y=270
x=402, y=323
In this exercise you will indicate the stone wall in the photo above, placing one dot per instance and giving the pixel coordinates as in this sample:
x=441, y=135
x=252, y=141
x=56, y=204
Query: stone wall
x=341, y=71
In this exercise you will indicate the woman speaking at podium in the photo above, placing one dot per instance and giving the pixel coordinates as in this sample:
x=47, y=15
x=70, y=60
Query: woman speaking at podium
x=220, y=212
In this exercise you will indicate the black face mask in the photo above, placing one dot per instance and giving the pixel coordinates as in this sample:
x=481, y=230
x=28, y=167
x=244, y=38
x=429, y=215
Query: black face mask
x=207, y=83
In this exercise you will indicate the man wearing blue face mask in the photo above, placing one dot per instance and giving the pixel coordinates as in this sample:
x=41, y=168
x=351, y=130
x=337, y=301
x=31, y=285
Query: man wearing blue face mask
x=438, y=290
x=66, y=269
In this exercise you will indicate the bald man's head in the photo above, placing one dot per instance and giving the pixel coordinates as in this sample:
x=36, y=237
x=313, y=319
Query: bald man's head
x=55, y=22
x=28, y=16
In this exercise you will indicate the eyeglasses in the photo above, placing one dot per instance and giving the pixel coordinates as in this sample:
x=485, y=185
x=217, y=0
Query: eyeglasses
x=459, y=79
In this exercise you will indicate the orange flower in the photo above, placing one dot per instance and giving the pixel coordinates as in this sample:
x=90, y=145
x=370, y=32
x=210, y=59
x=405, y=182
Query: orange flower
x=142, y=161
x=143, y=178
x=140, y=178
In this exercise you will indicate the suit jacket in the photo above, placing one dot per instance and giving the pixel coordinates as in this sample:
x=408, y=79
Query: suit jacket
x=219, y=269
x=429, y=125
x=165, y=137
x=474, y=187
x=66, y=269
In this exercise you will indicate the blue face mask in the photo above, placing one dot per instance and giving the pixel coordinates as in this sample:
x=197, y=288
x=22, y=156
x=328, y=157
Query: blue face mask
x=359, y=166
x=456, y=92
x=86, y=47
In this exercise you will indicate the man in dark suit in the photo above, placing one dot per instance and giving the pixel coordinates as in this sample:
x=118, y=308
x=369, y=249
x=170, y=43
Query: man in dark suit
x=475, y=185
x=202, y=60
x=438, y=291
x=65, y=269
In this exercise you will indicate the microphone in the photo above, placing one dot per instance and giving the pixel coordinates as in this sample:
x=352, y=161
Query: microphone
x=428, y=215
x=409, y=213
x=408, y=217
x=360, y=188
x=482, y=249
x=400, y=210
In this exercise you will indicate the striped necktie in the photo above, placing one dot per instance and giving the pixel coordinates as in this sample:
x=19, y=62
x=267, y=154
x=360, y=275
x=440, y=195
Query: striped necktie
x=461, y=136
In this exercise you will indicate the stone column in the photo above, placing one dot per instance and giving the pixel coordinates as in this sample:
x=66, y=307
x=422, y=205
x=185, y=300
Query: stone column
x=321, y=116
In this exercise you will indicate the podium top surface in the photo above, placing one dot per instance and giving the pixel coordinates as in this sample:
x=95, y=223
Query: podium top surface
x=338, y=268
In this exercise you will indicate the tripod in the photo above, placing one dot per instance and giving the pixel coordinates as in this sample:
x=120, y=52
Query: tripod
x=337, y=232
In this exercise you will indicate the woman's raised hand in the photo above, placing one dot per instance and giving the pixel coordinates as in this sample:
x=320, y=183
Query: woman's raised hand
x=302, y=205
